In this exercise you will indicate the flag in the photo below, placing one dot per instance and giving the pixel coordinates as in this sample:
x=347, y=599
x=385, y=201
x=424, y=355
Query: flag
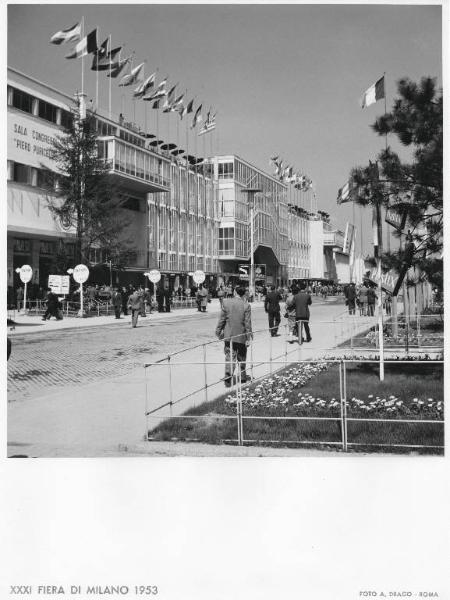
x=185, y=110
x=67, y=35
x=87, y=45
x=197, y=117
x=132, y=77
x=344, y=193
x=209, y=125
x=177, y=105
x=169, y=100
x=107, y=61
x=156, y=103
x=140, y=91
x=160, y=91
x=117, y=68
x=373, y=94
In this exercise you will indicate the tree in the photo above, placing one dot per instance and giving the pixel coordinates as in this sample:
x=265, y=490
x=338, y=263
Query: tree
x=415, y=186
x=88, y=198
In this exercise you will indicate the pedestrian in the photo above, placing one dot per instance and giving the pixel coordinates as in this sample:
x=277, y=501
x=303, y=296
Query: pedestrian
x=371, y=298
x=350, y=295
x=272, y=308
x=52, y=306
x=125, y=295
x=221, y=295
x=135, y=304
x=202, y=298
x=148, y=301
x=160, y=298
x=116, y=300
x=290, y=314
x=235, y=328
x=19, y=297
x=362, y=297
x=302, y=302
x=387, y=303
x=167, y=299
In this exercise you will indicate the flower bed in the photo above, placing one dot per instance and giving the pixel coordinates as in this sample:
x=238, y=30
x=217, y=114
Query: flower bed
x=410, y=391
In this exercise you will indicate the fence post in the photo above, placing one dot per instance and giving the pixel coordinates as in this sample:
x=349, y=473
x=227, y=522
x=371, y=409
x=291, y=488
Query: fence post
x=239, y=405
x=251, y=358
x=344, y=370
x=205, y=372
x=170, y=384
x=270, y=351
x=146, y=404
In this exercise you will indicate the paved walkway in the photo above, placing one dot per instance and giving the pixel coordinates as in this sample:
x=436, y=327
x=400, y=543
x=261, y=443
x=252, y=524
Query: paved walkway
x=102, y=418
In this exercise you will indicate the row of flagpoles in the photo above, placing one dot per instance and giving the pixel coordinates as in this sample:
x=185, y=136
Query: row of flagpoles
x=106, y=58
x=287, y=174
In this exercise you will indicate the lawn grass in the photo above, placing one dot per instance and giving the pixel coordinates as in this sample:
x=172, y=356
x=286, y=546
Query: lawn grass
x=404, y=394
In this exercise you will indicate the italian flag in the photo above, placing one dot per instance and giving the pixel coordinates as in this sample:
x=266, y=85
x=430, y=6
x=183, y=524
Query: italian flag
x=373, y=94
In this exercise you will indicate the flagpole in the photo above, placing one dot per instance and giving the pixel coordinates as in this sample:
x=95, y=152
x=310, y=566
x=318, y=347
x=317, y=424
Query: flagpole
x=110, y=71
x=96, y=76
x=82, y=57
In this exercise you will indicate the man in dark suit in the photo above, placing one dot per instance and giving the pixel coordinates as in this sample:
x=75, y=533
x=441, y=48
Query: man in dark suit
x=116, y=299
x=302, y=301
x=235, y=328
x=272, y=308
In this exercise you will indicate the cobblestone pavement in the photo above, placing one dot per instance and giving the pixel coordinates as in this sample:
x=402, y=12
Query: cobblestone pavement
x=42, y=362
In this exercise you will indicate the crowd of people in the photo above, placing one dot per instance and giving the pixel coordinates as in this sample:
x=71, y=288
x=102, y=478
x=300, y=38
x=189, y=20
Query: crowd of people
x=363, y=298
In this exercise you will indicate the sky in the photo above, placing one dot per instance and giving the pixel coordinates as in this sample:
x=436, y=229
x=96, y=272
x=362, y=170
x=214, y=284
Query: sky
x=285, y=79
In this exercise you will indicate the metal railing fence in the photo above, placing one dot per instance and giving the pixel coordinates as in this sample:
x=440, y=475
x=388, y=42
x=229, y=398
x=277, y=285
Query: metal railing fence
x=155, y=415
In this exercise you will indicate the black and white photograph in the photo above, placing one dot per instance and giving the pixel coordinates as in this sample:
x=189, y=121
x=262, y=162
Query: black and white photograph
x=224, y=239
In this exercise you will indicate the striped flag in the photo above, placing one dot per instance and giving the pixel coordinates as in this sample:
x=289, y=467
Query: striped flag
x=197, y=117
x=373, y=94
x=142, y=89
x=160, y=91
x=107, y=62
x=72, y=34
x=117, y=68
x=88, y=45
x=132, y=77
x=344, y=193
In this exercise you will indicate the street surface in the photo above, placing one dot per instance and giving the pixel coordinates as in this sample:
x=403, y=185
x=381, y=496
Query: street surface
x=82, y=390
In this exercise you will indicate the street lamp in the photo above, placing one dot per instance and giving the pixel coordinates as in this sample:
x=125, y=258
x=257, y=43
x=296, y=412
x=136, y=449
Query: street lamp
x=251, y=192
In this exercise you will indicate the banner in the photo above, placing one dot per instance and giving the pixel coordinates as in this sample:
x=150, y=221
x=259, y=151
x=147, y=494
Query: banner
x=348, y=238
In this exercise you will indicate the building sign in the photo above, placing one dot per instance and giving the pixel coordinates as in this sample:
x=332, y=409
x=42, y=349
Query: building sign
x=31, y=142
x=348, y=238
x=388, y=280
x=397, y=220
x=244, y=272
x=59, y=284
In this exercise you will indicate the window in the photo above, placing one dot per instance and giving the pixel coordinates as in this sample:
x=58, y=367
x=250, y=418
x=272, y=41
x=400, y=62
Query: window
x=22, y=173
x=66, y=119
x=22, y=101
x=226, y=170
x=48, y=248
x=47, y=111
x=22, y=246
x=226, y=240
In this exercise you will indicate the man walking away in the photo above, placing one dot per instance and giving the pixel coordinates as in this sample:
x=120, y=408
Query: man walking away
x=235, y=328
x=371, y=298
x=116, y=300
x=167, y=299
x=221, y=295
x=134, y=304
x=350, y=295
x=302, y=301
x=272, y=308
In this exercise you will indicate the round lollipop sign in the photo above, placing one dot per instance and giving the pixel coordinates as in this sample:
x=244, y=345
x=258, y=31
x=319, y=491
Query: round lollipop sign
x=25, y=273
x=199, y=277
x=154, y=275
x=81, y=273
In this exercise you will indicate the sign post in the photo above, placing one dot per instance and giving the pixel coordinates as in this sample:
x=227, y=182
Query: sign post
x=199, y=277
x=154, y=275
x=25, y=273
x=80, y=274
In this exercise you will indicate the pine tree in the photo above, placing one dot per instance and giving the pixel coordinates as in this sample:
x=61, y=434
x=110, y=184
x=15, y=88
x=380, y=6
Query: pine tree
x=88, y=199
x=414, y=186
